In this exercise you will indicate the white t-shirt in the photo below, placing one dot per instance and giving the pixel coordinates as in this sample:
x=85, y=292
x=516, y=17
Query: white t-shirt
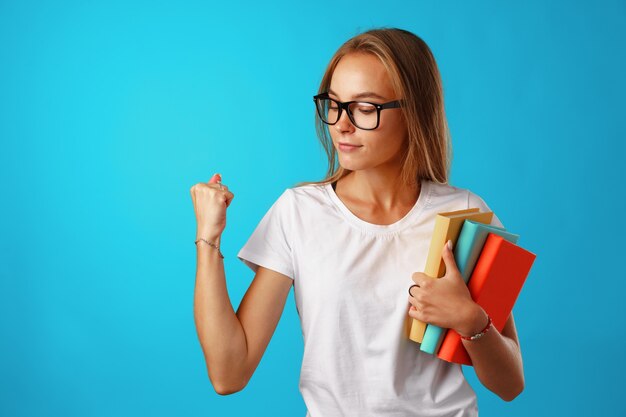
x=351, y=281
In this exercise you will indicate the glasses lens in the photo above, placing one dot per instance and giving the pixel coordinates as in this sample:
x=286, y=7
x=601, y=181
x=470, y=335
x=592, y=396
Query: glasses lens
x=328, y=110
x=365, y=115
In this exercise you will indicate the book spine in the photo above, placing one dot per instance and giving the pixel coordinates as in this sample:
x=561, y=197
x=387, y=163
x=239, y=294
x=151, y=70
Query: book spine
x=432, y=338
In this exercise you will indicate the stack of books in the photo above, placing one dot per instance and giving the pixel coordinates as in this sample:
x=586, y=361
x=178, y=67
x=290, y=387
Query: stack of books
x=491, y=263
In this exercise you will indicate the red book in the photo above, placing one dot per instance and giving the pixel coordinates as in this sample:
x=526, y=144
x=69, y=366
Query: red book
x=495, y=283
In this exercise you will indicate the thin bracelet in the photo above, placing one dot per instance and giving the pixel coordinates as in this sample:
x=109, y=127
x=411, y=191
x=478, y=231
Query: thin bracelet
x=481, y=333
x=213, y=245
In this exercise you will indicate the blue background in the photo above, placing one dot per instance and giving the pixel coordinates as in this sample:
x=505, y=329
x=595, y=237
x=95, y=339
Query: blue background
x=110, y=112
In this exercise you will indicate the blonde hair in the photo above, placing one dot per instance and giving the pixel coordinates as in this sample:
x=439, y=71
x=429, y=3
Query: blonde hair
x=415, y=78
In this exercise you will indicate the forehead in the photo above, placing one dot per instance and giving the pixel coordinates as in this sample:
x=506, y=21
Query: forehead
x=359, y=72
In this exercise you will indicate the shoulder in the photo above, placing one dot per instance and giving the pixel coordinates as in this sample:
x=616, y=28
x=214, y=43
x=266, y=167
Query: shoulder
x=300, y=199
x=450, y=194
x=308, y=190
x=309, y=195
x=447, y=197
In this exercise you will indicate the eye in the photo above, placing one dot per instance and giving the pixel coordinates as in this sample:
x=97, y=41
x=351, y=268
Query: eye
x=366, y=109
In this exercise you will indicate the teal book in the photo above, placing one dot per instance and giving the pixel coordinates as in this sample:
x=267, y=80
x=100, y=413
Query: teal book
x=471, y=240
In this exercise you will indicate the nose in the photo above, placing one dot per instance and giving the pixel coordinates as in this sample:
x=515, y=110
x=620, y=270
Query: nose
x=344, y=124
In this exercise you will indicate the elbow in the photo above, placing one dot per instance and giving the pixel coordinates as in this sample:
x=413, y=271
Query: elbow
x=226, y=390
x=222, y=387
x=514, y=393
x=227, y=379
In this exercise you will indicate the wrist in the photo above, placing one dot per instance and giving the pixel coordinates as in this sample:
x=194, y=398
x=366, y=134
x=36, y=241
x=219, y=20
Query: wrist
x=201, y=242
x=211, y=237
x=475, y=320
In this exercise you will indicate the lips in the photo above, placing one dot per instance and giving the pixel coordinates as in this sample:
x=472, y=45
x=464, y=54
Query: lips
x=348, y=147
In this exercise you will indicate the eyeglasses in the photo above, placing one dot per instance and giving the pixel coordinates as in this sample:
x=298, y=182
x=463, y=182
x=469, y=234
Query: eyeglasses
x=362, y=114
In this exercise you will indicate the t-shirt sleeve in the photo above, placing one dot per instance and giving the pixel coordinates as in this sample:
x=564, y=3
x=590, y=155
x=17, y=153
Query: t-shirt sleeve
x=474, y=200
x=270, y=245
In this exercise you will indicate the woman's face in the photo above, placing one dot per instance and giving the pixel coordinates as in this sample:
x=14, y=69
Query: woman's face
x=362, y=77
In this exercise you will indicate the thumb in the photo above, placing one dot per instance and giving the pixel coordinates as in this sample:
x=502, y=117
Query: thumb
x=215, y=179
x=448, y=258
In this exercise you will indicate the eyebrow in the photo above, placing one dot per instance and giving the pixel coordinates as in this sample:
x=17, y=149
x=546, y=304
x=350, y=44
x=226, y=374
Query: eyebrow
x=362, y=95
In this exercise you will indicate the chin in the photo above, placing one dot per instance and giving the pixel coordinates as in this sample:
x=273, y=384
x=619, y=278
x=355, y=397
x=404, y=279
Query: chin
x=352, y=165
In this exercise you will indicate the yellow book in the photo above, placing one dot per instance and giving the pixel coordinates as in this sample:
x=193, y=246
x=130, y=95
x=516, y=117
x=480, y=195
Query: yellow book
x=447, y=227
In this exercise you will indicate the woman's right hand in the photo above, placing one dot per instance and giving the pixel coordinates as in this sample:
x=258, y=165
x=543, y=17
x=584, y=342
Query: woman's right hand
x=210, y=200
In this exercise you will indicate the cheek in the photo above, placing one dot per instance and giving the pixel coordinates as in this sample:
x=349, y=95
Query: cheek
x=393, y=122
x=395, y=133
x=388, y=141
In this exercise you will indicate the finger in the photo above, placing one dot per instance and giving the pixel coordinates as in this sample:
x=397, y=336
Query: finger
x=415, y=308
x=229, y=198
x=420, y=279
x=192, y=191
x=217, y=184
x=226, y=196
x=448, y=258
x=217, y=180
x=411, y=288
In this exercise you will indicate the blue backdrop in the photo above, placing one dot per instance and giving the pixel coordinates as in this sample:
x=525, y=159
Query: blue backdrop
x=110, y=112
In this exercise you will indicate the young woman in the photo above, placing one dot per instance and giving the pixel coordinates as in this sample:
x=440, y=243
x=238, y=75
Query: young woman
x=351, y=245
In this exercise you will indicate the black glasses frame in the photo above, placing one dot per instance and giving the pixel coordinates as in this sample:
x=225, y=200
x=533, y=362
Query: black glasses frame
x=345, y=105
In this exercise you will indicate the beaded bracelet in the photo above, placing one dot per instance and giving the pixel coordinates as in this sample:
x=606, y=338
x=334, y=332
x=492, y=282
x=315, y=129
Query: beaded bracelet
x=481, y=333
x=213, y=245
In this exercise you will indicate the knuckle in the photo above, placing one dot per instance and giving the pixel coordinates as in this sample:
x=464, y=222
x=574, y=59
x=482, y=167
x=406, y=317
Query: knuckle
x=419, y=314
x=420, y=309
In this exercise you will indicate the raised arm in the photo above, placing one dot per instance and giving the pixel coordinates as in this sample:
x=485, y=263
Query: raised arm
x=232, y=343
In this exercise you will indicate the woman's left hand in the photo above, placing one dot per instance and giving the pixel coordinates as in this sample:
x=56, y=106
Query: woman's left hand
x=445, y=302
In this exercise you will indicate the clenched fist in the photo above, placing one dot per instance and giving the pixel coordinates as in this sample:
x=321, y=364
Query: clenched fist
x=210, y=201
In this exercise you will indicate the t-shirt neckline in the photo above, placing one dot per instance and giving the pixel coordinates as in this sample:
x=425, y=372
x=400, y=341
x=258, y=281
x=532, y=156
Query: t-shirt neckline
x=382, y=228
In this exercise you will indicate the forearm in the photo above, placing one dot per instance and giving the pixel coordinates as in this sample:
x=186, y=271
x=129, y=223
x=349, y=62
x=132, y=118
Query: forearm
x=496, y=359
x=219, y=330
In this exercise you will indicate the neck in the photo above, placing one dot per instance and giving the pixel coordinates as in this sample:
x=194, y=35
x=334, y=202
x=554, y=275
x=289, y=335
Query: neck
x=381, y=188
